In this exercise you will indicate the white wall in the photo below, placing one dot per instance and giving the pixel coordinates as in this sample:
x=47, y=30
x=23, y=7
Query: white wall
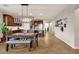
x=68, y=34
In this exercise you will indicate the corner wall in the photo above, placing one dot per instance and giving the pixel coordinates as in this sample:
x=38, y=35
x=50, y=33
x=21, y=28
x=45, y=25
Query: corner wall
x=76, y=25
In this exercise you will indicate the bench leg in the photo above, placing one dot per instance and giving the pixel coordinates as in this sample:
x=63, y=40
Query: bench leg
x=7, y=46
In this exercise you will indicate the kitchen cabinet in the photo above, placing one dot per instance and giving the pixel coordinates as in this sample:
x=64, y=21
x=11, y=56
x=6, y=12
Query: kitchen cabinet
x=8, y=19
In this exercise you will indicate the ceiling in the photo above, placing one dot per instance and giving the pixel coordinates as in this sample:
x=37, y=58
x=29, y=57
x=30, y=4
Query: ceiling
x=39, y=11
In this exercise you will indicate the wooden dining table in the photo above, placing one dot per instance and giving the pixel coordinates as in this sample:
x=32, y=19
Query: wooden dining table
x=23, y=35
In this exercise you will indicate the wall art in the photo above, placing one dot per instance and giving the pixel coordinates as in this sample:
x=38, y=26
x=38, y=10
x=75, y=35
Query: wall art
x=61, y=23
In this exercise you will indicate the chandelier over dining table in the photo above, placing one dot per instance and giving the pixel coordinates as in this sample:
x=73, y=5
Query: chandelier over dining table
x=24, y=12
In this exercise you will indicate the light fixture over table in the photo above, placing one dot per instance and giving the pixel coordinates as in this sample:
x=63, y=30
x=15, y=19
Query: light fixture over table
x=26, y=18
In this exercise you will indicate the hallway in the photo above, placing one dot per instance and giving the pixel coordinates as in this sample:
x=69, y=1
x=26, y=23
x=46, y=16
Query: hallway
x=48, y=44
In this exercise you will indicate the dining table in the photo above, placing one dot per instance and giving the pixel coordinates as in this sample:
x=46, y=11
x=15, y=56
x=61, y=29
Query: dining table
x=24, y=36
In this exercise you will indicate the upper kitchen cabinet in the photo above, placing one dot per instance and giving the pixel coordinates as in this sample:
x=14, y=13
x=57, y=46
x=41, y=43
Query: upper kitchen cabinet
x=8, y=19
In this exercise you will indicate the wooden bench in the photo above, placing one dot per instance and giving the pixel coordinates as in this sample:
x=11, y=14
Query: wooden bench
x=29, y=42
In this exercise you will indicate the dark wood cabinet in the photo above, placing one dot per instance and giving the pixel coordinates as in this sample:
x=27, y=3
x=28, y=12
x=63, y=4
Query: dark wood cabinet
x=36, y=23
x=8, y=19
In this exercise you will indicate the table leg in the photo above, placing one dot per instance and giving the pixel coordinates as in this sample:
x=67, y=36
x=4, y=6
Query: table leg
x=30, y=45
x=12, y=46
x=7, y=46
x=37, y=42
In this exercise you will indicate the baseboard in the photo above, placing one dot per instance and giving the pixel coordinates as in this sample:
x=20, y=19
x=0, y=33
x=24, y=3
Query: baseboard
x=64, y=41
x=76, y=48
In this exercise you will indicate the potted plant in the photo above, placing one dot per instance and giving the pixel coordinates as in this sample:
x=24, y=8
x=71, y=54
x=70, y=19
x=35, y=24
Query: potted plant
x=4, y=30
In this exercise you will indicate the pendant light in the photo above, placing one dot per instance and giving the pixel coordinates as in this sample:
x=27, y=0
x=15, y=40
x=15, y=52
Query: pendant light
x=25, y=17
x=26, y=10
